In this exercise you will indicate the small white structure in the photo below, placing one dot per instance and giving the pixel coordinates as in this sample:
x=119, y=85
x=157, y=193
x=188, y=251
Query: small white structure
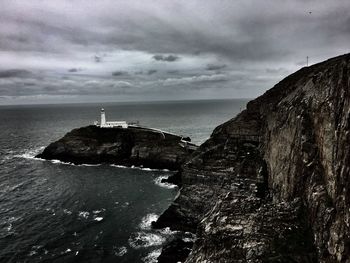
x=110, y=124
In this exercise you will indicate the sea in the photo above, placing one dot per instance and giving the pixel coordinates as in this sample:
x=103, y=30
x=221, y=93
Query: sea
x=58, y=212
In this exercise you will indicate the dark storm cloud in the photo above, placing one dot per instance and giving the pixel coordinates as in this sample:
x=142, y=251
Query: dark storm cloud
x=241, y=30
x=14, y=73
x=151, y=71
x=148, y=72
x=73, y=70
x=97, y=59
x=168, y=58
x=215, y=67
x=119, y=73
x=253, y=42
x=173, y=71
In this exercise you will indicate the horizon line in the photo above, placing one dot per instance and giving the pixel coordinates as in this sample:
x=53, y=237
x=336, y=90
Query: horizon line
x=122, y=102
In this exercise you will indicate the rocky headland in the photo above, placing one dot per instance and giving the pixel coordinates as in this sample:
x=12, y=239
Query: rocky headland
x=272, y=184
x=132, y=146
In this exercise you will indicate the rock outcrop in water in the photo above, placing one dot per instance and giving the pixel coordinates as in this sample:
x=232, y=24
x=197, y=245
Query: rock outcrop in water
x=273, y=184
x=132, y=146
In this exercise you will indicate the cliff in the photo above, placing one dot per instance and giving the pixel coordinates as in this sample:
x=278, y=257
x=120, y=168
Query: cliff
x=132, y=146
x=272, y=184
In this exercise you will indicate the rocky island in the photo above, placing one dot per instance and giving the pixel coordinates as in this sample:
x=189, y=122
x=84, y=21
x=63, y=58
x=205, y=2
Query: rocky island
x=272, y=184
x=131, y=146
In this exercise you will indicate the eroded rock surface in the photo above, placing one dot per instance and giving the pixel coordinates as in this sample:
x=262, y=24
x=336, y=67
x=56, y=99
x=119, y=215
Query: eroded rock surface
x=272, y=184
x=131, y=146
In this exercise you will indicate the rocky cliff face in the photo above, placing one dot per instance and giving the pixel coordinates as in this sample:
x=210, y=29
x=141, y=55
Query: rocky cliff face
x=272, y=184
x=131, y=146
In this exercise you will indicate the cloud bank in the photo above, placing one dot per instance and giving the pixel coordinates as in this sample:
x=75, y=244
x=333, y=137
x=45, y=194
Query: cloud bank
x=54, y=51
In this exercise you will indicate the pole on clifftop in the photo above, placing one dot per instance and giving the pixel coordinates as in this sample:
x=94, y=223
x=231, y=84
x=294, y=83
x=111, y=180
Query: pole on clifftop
x=307, y=61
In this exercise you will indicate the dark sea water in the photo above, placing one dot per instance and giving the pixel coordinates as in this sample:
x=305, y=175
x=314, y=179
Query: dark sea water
x=56, y=212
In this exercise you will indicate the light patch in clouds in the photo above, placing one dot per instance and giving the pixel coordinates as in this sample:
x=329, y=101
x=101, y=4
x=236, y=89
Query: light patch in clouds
x=193, y=79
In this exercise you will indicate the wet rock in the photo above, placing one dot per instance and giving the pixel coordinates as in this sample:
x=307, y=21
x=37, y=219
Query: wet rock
x=173, y=179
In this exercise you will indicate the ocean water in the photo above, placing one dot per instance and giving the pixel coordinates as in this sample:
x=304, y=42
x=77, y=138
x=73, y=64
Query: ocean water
x=56, y=212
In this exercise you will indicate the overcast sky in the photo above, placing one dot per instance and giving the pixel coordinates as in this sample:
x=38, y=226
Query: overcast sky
x=79, y=50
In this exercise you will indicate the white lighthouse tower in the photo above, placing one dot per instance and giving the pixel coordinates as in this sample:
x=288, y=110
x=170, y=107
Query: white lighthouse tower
x=110, y=124
x=103, y=118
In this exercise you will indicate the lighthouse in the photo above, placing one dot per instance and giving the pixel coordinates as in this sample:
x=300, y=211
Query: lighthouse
x=103, y=118
x=110, y=124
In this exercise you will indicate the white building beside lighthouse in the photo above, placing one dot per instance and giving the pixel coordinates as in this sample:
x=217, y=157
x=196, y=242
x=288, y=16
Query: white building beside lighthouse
x=110, y=124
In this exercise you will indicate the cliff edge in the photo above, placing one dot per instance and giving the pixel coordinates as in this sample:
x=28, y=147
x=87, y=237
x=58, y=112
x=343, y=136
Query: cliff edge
x=272, y=184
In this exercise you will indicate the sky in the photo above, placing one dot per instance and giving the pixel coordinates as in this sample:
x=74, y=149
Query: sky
x=113, y=50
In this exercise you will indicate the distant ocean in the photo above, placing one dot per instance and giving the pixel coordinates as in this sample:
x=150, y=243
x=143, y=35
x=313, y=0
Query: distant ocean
x=56, y=212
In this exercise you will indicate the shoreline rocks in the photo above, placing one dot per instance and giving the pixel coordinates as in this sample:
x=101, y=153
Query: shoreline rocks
x=134, y=146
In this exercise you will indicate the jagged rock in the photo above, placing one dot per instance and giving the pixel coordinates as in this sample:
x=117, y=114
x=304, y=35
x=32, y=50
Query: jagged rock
x=131, y=146
x=176, y=251
x=173, y=179
x=272, y=184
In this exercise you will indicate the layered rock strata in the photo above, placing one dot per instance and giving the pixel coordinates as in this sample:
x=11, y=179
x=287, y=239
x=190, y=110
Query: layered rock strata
x=272, y=184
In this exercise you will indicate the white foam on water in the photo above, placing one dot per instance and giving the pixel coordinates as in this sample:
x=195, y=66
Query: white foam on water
x=30, y=153
x=158, y=181
x=188, y=239
x=86, y=164
x=152, y=257
x=138, y=168
x=13, y=188
x=98, y=219
x=126, y=204
x=147, y=220
x=121, y=251
x=167, y=231
x=67, y=212
x=34, y=250
x=119, y=166
x=95, y=212
x=84, y=214
x=143, y=239
x=55, y=161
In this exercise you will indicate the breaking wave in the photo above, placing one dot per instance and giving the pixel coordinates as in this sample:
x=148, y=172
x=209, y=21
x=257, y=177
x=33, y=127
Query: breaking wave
x=121, y=251
x=147, y=220
x=158, y=181
x=152, y=257
x=143, y=239
x=31, y=153
x=139, y=168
